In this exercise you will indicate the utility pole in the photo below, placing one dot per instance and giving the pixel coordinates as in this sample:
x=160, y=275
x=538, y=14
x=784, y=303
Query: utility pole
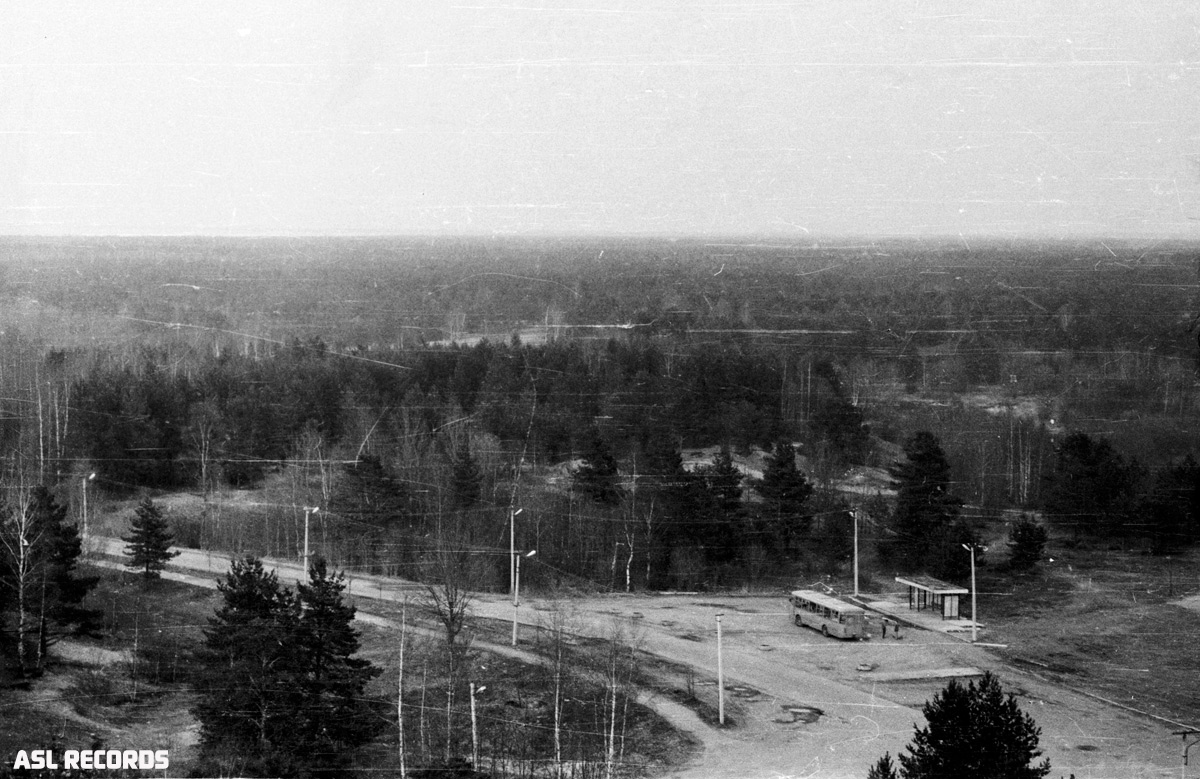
x=974, y=611
x=1186, y=746
x=720, y=676
x=400, y=687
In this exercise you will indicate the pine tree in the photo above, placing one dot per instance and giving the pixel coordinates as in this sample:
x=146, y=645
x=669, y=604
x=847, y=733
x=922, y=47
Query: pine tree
x=1091, y=486
x=1173, y=507
x=720, y=513
x=334, y=716
x=597, y=478
x=248, y=682
x=366, y=492
x=836, y=422
x=785, y=492
x=281, y=692
x=667, y=498
x=465, y=480
x=67, y=590
x=974, y=731
x=926, y=510
x=150, y=541
x=39, y=553
x=1027, y=540
x=884, y=768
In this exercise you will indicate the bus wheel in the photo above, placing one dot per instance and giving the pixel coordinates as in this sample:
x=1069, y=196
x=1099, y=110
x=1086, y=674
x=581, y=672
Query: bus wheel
x=825, y=631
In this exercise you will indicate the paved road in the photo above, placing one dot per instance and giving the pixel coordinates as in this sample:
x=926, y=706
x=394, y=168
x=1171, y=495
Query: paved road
x=861, y=715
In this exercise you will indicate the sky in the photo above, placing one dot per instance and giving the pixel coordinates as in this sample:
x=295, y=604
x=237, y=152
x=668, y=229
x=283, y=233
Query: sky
x=806, y=120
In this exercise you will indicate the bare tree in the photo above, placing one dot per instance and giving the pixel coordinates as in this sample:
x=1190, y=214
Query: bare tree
x=203, y=434
x=20, y=539
x=557, y=628
x=449, y=589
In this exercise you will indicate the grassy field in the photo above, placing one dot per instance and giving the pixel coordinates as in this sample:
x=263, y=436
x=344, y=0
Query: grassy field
x=1105, y=622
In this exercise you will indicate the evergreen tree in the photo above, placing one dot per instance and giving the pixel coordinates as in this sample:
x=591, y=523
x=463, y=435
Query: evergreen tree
x=1173, y=507
x=784, y=491
x=597, y=477
x=926, y=513
x=974, y=731
x=249, y=684
x=465, y=480
x=39, y=553
x=150, y=541
x=1091, y=487
x=67, y=590
x=281, y=691
x=667, y=499
x=836, y=422
x=366, y=492
x=1027, y=540
x=884, y=768
x=334, y=717
x=720, y=516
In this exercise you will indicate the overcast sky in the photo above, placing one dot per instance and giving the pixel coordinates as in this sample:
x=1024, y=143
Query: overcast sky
x=808, y=119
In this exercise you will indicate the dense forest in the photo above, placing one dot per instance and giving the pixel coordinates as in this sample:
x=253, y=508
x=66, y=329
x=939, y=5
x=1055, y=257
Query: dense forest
x=661, y=414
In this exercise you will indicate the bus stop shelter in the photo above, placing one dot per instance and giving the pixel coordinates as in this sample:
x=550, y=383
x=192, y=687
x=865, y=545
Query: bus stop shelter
x=926, y=592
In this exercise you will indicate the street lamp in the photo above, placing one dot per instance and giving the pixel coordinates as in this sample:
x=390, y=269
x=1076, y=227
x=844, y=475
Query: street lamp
x=308, y=512
x=855, y=514
x=974, y=611
x=517, y=589
x=91, y=477
x=720, y=676
x=475, y=726
x=513, y=547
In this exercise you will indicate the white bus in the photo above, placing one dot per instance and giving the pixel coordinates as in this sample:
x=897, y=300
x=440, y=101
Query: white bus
x=827, y=614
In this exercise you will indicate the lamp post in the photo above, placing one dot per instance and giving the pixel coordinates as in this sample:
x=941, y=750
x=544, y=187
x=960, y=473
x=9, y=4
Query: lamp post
x=91, y=477
x=517, y=589
x=974, y=611
x=855, y=513
x=308, y=512
x=720, y=676
x=475, y=727
x=512, y=548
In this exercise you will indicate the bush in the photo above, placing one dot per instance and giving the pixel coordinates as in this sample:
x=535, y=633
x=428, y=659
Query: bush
x=94, y=689
x=1027, y=542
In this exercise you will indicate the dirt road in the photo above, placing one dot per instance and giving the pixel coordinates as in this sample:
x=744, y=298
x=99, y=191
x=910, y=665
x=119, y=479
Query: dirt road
x=809, y=706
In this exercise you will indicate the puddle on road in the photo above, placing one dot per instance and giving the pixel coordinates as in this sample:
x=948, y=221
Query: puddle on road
x=793, y=713
x=746, y=693
x=728, y=607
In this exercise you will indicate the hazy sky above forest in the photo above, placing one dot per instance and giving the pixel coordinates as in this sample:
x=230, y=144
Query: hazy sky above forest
x=805, y=119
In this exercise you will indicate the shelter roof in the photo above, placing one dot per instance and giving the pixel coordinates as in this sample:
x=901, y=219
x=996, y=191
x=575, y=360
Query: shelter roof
x=932, y=585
